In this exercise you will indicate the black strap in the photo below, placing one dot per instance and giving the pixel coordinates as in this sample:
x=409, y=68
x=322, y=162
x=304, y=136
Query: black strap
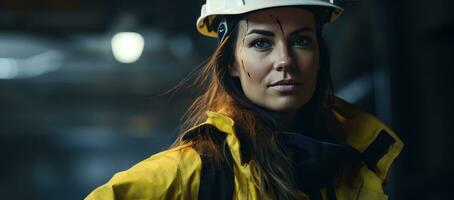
x=217, y=178
x=377, y=149
x=331, y=192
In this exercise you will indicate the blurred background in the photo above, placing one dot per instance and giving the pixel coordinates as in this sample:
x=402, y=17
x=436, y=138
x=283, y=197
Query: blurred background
x=81, y=84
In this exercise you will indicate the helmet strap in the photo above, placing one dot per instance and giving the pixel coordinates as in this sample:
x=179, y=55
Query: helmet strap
x=226, y=26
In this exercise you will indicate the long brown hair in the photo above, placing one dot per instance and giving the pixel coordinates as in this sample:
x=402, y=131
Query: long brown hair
x=255, y=127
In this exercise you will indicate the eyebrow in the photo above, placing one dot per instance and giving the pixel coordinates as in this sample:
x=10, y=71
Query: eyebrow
x=269, y=33
x=304, y=29
x=261, y=32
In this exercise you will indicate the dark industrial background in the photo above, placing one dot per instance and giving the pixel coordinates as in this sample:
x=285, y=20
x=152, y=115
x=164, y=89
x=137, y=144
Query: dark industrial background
x=71, y=115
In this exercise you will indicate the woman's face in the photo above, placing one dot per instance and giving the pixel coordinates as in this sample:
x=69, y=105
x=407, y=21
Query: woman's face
x=277, y=58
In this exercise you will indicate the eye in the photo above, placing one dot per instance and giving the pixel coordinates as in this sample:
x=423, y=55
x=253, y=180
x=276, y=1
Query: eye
x=261, y=44
x=302, y=41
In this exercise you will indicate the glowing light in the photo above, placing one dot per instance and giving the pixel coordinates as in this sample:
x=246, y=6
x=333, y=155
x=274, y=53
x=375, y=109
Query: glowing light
x=36, y=65
x=127, y=47
x=8, y=68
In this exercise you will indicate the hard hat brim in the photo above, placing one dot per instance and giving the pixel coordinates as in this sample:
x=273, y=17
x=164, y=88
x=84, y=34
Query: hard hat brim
x=209, y=14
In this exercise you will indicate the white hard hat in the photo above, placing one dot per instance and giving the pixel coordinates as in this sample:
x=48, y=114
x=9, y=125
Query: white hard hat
x=214, y=8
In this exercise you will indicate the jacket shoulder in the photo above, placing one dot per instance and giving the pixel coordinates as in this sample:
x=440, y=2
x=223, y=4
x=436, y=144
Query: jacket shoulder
x=366, y=133
x=171, y=174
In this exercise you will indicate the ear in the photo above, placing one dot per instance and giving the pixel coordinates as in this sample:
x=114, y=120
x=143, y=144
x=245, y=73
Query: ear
x=233, y=70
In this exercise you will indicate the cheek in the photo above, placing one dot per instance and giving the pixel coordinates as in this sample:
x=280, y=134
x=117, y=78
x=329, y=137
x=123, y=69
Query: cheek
x=308, y=65
x=308, y=61
x=252, y=68
x=256, y=68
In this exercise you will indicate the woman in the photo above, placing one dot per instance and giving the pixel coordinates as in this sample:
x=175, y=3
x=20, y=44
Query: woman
x=267, y=125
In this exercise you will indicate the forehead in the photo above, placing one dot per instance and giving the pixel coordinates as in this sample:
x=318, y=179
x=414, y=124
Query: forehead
x=287, y=16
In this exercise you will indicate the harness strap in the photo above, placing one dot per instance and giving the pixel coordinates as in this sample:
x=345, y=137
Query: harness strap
x=377, y=149
x=217, y=178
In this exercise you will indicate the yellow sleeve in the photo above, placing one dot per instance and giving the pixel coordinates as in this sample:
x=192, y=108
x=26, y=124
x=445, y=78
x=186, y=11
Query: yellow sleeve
x=158, y=177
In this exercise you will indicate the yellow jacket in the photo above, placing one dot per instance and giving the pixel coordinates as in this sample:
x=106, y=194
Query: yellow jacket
x=175, y=173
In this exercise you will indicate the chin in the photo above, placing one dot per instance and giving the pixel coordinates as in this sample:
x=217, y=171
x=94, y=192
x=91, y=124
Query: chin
x=282, y=103
x=286, y=107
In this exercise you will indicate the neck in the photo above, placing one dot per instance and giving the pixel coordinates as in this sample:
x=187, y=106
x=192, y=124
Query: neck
x=285, y=120
x=302, y=121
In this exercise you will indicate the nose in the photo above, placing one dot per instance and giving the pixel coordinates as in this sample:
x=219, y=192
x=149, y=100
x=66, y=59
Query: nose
x=284, y=59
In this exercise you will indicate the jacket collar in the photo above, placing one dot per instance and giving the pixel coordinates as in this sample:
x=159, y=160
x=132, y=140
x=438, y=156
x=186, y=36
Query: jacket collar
x=359, y=129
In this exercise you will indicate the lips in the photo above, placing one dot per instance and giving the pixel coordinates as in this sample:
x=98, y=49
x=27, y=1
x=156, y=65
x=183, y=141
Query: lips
x=285, y=86
x=286, y=82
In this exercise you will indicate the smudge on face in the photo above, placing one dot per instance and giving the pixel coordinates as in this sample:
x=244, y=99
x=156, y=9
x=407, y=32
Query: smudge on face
x=278, y=23
x=242, y=46
x=245, y=33
x=244, y=69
